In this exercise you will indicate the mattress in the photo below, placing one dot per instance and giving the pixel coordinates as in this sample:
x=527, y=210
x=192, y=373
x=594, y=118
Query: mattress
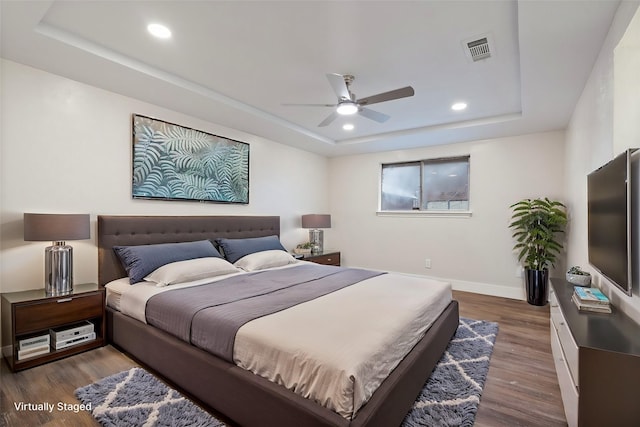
x=335, y=350
x=114, y=291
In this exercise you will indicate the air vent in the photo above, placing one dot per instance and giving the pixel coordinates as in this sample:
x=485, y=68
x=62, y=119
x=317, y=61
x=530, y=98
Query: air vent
x=479, y=49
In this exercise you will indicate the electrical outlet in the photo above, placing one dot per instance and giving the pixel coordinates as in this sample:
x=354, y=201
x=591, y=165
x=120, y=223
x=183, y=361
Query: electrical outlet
x=427, y=263
x=518, y=271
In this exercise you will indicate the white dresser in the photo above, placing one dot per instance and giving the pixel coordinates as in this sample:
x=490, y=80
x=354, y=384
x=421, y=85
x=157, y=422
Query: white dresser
x=597, y=360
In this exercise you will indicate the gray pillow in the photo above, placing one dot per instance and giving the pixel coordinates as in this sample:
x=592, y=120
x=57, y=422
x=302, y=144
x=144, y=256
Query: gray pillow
x=234, y=249
x=141, y=260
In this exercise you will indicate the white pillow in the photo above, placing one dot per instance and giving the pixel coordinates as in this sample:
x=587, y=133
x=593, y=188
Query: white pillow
x=190, y=270
x=264, y=259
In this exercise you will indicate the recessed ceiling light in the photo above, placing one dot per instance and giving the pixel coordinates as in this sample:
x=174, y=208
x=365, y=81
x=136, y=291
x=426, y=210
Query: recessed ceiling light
x=459, y=106
x=159, y=30
x=347, y=126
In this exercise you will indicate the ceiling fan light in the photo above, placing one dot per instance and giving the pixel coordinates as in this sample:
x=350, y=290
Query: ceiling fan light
x=347, y=108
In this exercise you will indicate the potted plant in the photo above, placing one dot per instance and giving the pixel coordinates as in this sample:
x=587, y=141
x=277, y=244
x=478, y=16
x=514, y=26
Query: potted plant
x=303, y=248
x=536, y=224
x=577, y=276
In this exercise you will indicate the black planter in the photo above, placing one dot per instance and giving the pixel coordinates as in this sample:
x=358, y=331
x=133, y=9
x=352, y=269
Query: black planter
x=537, y=286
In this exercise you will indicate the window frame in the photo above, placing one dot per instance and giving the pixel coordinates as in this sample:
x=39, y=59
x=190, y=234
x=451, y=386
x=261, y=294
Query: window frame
x=420, y=212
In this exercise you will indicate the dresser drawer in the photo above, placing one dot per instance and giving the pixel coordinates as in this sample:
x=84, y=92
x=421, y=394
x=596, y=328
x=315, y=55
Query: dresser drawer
x=568, y=345
x=568, y=388
x=330, y=259
x=40, y=315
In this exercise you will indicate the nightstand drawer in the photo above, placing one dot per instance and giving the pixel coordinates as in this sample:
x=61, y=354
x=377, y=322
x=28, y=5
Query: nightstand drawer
x=35, y=316
x=331, y=259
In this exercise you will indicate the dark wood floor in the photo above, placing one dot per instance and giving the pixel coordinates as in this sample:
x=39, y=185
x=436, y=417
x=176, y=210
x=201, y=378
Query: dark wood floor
x=521, y=388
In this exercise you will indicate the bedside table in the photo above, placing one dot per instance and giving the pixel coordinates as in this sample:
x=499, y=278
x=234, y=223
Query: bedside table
x=326, y=257
x=30, y=314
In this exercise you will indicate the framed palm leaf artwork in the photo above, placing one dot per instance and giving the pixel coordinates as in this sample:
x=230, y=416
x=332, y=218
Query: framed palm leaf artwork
x=172, y=162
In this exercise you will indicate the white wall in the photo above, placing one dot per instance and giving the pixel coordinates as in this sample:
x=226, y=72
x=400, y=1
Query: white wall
x=66, y=148
x=473, y=253
x=626, y=85
x=601, y=128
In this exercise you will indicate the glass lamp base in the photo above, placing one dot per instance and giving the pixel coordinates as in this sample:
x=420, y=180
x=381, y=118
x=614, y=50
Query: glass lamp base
x=316, y=238
x=58, y=269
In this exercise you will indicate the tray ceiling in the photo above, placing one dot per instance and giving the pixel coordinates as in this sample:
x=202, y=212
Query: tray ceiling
x=235, y=63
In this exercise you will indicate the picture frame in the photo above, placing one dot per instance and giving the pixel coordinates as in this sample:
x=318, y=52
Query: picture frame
x=177, y=163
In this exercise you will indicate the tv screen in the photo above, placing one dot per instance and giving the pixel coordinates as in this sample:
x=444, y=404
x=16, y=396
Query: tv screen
x=609, y=220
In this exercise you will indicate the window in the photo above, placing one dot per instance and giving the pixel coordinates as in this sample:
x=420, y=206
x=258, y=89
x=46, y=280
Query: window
x=428, y=185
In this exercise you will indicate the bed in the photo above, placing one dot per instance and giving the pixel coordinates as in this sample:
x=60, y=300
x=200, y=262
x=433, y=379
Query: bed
x=238, y=394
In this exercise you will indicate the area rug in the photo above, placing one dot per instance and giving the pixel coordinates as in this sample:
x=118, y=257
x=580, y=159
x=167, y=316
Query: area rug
x=449, y=398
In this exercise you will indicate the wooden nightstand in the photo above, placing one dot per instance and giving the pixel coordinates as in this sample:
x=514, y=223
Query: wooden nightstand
x=326, y=257
x=31, y=314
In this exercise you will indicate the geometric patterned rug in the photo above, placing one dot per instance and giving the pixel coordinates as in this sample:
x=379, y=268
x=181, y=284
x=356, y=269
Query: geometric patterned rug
x=135, y=398
x=450, y=397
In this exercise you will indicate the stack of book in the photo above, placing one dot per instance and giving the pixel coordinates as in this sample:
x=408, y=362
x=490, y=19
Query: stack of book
x=591, y=299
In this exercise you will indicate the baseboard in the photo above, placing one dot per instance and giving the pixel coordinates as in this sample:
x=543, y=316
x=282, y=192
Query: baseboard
x=476, y=287
x=488, y=289
x=6, y=350
x=484, y=288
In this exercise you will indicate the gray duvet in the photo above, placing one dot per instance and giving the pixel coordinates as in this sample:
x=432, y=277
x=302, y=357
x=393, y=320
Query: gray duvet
x=210, y=315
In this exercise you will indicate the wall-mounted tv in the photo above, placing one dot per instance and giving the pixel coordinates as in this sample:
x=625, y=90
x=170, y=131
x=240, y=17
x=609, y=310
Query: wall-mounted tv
x=610, y=221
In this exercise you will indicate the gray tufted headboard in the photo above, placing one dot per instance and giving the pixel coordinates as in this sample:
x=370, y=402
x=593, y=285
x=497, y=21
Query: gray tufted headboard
x=114, y=230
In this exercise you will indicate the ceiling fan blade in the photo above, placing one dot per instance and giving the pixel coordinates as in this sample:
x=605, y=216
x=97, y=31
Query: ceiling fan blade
x=309, y=105
x=339, y=86
x=387, y=96
x=373, y=115
x=329, y=119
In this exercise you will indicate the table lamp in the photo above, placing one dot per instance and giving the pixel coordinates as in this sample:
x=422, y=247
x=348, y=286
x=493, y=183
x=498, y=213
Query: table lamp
x=58, y=258
x=315, y=222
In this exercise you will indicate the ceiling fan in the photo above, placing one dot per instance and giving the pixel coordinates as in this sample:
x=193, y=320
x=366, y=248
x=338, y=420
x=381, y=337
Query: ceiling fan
x=349, y=104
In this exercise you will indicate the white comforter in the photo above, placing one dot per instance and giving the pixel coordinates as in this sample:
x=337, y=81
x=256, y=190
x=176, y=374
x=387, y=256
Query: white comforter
x=335, y=350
